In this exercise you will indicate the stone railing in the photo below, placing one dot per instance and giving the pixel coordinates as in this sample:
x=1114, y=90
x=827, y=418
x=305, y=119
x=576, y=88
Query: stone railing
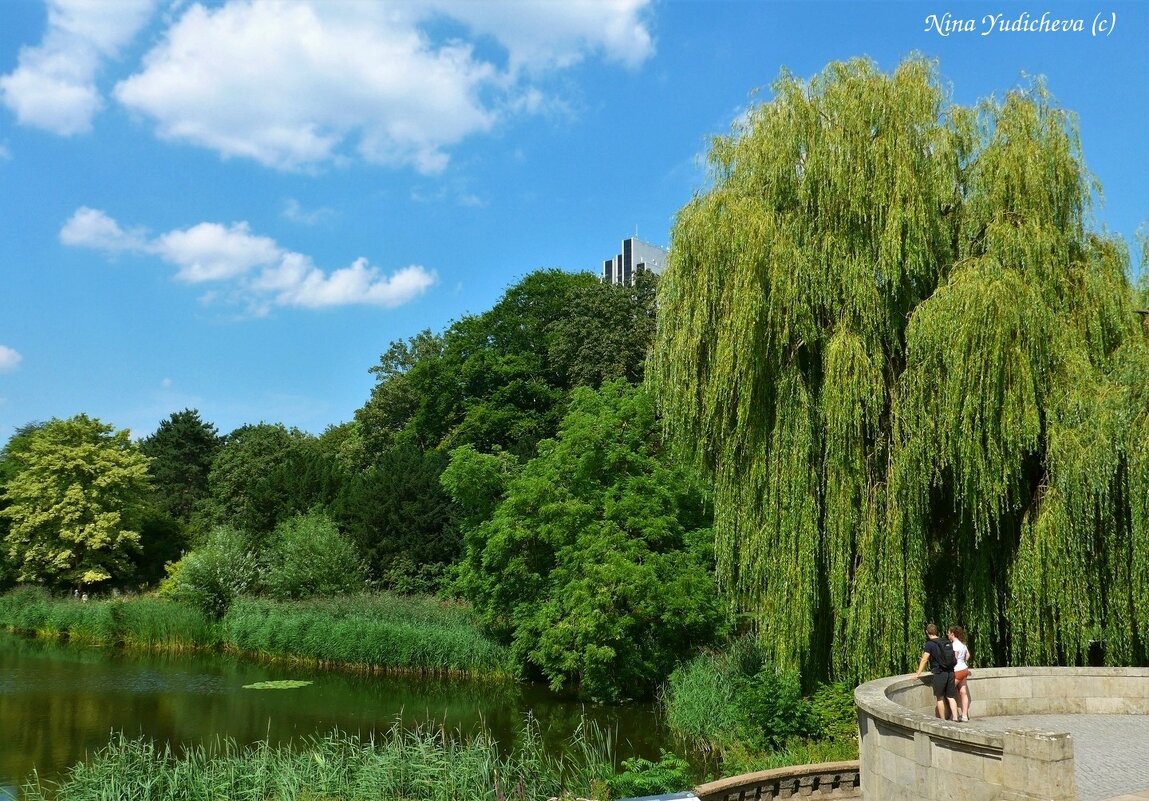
x=827, y=780
x=909, y=755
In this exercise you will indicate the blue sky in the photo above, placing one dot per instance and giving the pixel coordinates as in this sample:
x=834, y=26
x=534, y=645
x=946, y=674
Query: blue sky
x=236, y=206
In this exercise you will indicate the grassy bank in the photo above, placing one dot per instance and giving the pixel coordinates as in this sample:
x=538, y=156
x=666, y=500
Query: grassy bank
x=400, y=765
x=376, y=632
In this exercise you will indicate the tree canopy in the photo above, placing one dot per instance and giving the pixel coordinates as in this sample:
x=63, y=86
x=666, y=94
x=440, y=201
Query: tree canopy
x=181, y=451
x=914, y=374
x=596, y=563
x=73, y=503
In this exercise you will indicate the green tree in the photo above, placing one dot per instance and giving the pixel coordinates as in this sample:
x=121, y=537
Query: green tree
x=181, y=450
x=242, y=493
x=212, y=576
x=914, y=376
x=11, y=463
x=596, y=562
x=400, y=517
x=74, y=504
x=489, y=380
x=605, y=332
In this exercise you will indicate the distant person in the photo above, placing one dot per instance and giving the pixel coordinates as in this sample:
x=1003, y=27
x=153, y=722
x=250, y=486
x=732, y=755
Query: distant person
x=962, y=657
x=938, y=654
x=84, y=598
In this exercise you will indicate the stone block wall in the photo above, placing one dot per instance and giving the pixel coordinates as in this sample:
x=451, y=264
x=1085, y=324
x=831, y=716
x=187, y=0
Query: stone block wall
x=909, y=755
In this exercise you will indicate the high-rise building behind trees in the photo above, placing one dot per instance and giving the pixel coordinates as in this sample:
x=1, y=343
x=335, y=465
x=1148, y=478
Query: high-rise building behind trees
x=635, y=256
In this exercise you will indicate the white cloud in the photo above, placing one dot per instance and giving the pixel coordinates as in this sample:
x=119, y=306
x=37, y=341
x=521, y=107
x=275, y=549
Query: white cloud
x=9, y=359
x=54, y=83
x=212, y=252
x=91, y=228
x=294, y=211
x=248, y=268
x=541, y=36
x=297, y=83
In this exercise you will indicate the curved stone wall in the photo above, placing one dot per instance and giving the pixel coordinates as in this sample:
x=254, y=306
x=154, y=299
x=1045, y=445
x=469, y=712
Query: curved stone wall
x=907, y=753
x=824, y=781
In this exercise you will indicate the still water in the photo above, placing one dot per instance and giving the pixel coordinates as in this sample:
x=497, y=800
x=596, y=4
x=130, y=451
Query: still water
x=60, y=702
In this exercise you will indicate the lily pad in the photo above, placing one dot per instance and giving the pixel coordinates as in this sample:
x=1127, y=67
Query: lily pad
x=283, y=684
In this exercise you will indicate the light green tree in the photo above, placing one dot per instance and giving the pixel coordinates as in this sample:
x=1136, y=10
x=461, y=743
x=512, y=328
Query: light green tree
x=915, y=376
x=73, y=506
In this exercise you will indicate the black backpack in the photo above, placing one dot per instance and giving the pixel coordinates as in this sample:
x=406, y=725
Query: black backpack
x=946, y=659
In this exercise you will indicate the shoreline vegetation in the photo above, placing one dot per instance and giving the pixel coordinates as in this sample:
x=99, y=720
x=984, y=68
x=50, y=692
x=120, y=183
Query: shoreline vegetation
x=372, y=633
x=414, y=765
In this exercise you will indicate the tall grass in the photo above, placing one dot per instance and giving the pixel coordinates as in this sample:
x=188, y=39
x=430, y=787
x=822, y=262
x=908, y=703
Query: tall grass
x=377, y=632
x=399, y=765
x=143, y=622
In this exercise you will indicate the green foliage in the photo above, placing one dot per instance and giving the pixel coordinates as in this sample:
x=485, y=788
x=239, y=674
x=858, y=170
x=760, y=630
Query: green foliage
x=596, y=562
x=307, y=556
x=414, y=765
x=215, y=574
x=640, y=777
x=73, y=503
x=244, y=490
x=139, y=622
x=913, y=375
x=477, y=482
x=605, y=332
x=488, y=381
x=181, y=450
x=400, y=518
x=376, y=631
x=737, y=707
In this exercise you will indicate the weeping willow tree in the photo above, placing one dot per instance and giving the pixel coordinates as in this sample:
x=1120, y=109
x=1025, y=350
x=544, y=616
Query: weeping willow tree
x=917, y=379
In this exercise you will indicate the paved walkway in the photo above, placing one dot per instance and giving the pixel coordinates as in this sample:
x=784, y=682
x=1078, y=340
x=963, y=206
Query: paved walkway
x=1110, y=752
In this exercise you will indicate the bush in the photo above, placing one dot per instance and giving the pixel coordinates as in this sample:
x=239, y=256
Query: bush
x=740, y=708
x=211, y=577
x=671, y=773
x=307, y=556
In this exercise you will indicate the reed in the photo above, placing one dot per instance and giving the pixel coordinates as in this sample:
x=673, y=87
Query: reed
x=372, y=632
x=376, y=632
x=140, y=622
x=399, y=765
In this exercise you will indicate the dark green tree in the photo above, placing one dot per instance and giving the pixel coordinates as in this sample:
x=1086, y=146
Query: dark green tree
x=400, y=518
x=914, y=375
x=181, y=451
x=596, y=562
x=241, y=494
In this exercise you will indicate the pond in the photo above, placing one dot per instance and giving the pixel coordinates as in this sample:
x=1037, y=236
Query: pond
x=59, y=702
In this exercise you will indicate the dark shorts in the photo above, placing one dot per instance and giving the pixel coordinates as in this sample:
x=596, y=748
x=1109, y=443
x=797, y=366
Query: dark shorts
x=944, y=685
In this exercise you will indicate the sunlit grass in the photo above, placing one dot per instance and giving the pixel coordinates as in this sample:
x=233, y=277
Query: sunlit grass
x=398, y=765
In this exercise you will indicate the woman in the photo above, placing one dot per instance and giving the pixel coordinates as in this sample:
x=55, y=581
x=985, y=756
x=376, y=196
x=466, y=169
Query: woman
x=957, y=636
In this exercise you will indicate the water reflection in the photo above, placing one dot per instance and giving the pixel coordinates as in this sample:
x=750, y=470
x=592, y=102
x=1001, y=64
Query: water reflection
x=61, y=702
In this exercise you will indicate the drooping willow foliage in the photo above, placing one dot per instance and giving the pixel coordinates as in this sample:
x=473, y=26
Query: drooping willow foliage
x=917, y=378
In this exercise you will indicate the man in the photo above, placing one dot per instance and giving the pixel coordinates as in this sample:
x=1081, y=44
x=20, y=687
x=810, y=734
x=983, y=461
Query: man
x=942, y=670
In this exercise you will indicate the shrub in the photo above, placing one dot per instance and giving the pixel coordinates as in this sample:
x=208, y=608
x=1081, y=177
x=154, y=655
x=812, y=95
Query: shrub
x=211, y=577
x=307, y=556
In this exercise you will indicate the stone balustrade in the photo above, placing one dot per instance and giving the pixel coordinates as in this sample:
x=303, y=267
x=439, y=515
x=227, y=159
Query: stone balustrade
x=827, y=780
x=909, y=755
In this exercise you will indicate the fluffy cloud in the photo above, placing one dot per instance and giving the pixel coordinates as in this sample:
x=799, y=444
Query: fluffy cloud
x=297, y=83
x=91, y=228
x=9, y=359
x=54, y=83
x=251, y=268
